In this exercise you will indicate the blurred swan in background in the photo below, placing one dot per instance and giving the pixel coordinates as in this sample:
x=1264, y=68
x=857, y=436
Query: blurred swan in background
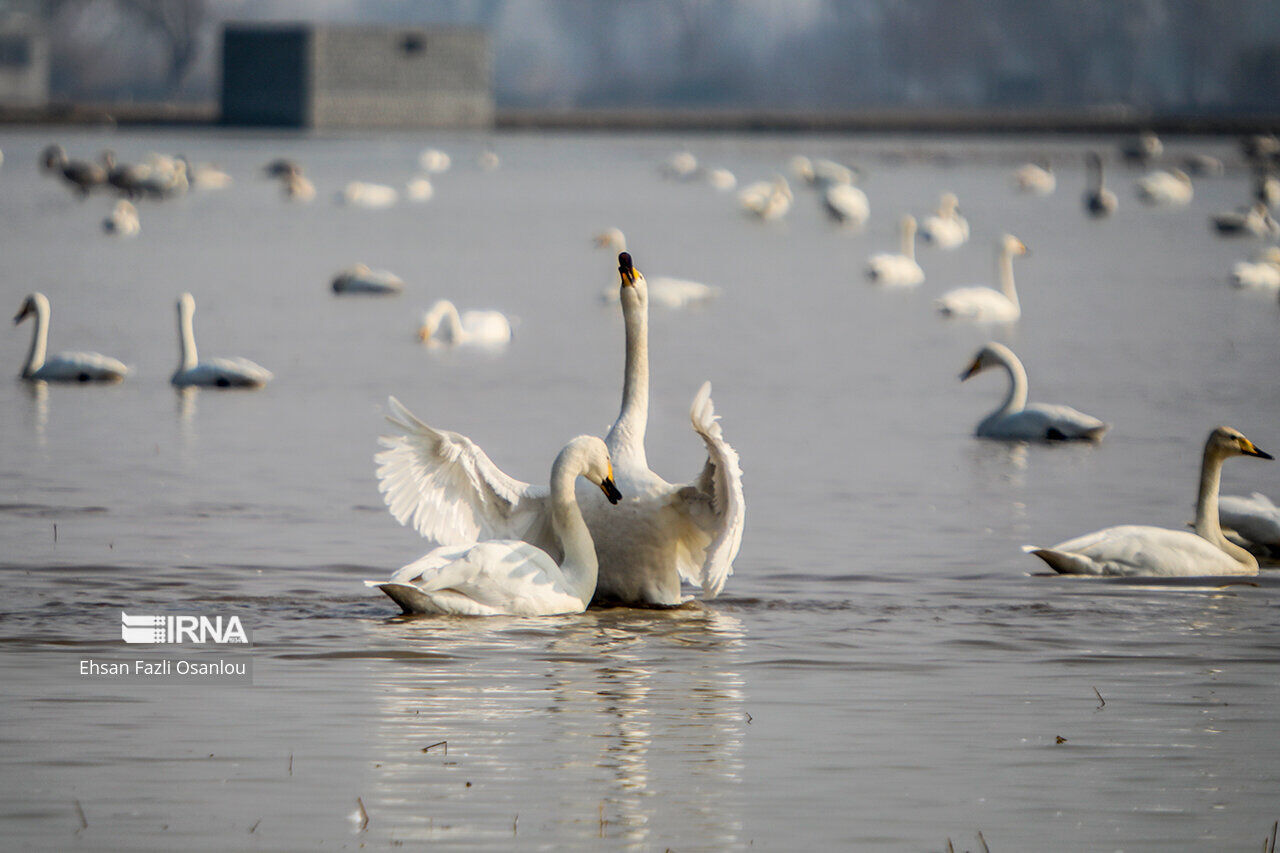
x=946, y=228
x=1098, y=200
x=1261, y=273
x=1015, y=418
x=488, y=161
x=434, y=161
x=721, y=179
x=767, y=200
x=1165, y=188
x=898, y=270
x=214, y=372
x=368, y=195
x=83, y=176
x=1253, y=221
x=419, y=189
x=64, y=366
x=846, y=204
x=1254, y=521
x=1143, y=551
x=681, y=166
x=360, y=278
x=1143, y=148
x=123, y=220
x=1035, y=178
x=983, y=303
x=665, y=291
x=442, y=325
x=509, y=576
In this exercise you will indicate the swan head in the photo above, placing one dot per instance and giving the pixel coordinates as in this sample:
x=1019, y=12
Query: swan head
x=613, y=238
x=588, y=457
x=431, y=322
x=991, y=355
x=186, y=305
x=631, y=279
x=948, y=204
x=1226, y=441
x=907, y=224
x=33, y=304
x=1011, y=245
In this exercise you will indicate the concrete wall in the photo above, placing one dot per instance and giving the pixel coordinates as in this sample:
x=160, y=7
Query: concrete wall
x=266, y=76
x=24, y=67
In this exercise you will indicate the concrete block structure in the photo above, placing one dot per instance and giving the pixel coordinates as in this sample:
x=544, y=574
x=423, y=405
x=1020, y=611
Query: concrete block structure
x=24, y=65
x=334, y=77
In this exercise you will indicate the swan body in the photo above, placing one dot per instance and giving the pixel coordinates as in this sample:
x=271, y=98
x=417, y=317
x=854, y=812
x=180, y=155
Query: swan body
x=1266, y=188
x=419, y=189
x=1019, y=420
x=721, y=179
x=767, y=200
x=488, y=161
x=946, y=228
x=360, y=278
x=1035, y=179
x=511, y=577
x=213, y=372
x=1171, y=188
x=445, y=486
x=434, y=161
x=369, y=196
x=1255, y=221
x=824, y=174
x=1143, y=551
x=1255, y=520
x=123, y=220
x=984, y=304
x=1261, y=273
x=681, y=165
x=65, y=366
x=1098, y=200
x=674, y=293
x=846, y=204
x=442, y=325
x=207, y=176
x=898, y=270
x=1143, y=148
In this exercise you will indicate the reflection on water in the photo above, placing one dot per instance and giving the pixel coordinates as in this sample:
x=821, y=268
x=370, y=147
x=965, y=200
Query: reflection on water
x=38, y=394
x=624, y=721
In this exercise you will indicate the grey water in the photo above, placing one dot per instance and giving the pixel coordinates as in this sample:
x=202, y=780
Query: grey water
x=886, y=670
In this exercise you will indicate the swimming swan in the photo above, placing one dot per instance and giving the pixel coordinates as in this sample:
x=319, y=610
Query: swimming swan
x=900, y=270
x=123, y=220
x=1016, y=418
x=946, y=228
x=846, y=204
x=983, y=303
x=1254, y=520
x=65, y=366
x=1035, y=179
x=1261, y=273
x=216, y=372
x=767, y=200
x=1171, y=188
x=1098, y=200
x=1144, y=551
x=361, y=279
x=509, y=576
x=665, y=291
x=445, y=486
x=442, y=325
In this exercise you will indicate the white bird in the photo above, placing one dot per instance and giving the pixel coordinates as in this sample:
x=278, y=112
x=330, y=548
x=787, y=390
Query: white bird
x=419, y=189
x=434, y=161
x=946, y=228
x=767, y=200
x=1165, y=188
x=721, y=179
x=1144, y=551
x=123, y=220
x=368, y=195
x=297, y=187
x=898, y=270
x=216, y=372
x=984, y=304
x=488, y=161
x=1261, y=273
x=668, y=292
x=207, y=176
x=1035, y=179
x=1146, y=146
x=824, y=174
x=1098, y=200
x=360, y=278
x=1019, y=420
x=681, y=165
x=450, y=492
x=846, y=204
x=1254, y=220
x=1254, y=520
x=442, y=325
x=508, y=576
x=64, y=366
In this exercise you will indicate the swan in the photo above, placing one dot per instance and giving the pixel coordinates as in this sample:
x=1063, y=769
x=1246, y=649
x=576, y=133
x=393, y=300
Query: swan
x=1098, y=200
x=1035, y=179
x=665, y=291
x=1203, y=164
x=900, y=270
x=946, y=228
x=983, y=303
x=846, y=204
x=488, y=161
x=1146, y=146
x=721, y=179
x=419, y=189
x=65, y=366
x=443, y=326
x=1254, y=520
x=1017, y=419
x=1171, y=188
x=767, y=200
x=1262, y=273
x=368, y=195
x=1255, y=221
x=207, y=176
x=445, y=486
x=217, y=372
x=824, y=174
x=681, y=165
x=297, y=187
x=360, y=278
x=1266, y=188
x=83, y=176
x=511, y=577
x=1145, y=551
x=434, y=161
x=123, y=220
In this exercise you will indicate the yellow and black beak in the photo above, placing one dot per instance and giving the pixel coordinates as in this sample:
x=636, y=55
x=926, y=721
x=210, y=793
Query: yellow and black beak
x=610, y=489
x=26, y=309
x=626, y=270
x=972, y=369
x=1248, y=448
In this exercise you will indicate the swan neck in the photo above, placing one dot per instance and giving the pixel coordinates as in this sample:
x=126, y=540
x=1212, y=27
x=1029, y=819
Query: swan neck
x=186, y=337
x=1016, y=399
x=1005, y=265
x=39, y=341
x=626, y=439
x=580, y=566
x=908, y=239
x=445, y=321
x=1208, y=525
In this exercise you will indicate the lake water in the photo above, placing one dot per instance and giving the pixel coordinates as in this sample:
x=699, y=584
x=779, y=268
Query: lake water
x=885, y=670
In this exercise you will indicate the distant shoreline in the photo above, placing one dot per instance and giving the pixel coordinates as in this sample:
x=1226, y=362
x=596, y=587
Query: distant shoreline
x=909, y=121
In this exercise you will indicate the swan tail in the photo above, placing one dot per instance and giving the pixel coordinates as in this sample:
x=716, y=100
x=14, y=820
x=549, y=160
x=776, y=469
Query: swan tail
x=1062, y=562
x=410, y=598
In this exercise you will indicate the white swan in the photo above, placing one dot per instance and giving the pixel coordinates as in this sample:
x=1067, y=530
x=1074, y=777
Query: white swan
x=123, y=220
x=1098, y=200
x=509, y=576
x=442, y=325
x=721, y=179
x=1167, y=189
x=434, y=161
x=668, y=292
x=1146, y=146
x=488, y=161
x=1017, y=419
x=767, y=200
x=983, y=303
x=681, y=165
x=824, y=174
x=846, y=204
x=898, y=270
x=216, y=372
x=1144, y=551
x=419, y=189
x=450, y=492
x=1255, y=220
x=368, y=195
x=64, y=366
x=1254, y=520
x=297, y=187
x=1261, y=273
x=361, y=279
x=1035, y=179
x=946, y=228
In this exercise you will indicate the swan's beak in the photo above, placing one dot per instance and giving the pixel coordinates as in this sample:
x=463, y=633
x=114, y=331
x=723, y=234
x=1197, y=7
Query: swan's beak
x=1248, y=448
x=610, y=490
x=626, y=271
x=972, y=369
x=424, y=333
x=26, y=309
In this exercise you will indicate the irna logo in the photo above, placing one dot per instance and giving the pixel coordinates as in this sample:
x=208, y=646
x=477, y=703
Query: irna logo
x=181, y=629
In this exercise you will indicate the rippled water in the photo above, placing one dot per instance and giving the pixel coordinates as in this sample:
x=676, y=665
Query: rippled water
x=886, y=669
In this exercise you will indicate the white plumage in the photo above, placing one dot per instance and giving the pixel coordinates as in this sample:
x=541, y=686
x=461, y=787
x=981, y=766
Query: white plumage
x=368, y=195
x=1035, y=179
x=846, y=204
x=1161, y=188
x=1254, y=519
x=767, y=200
x=213, y=372
x=360, y=278
x=1017, y=419
x=668, y=292
x=901, y=269
x=63, y=366
x=946, y=228
x=442, y=325
x=983, y=304
x=123, y=220
x=1261, y=273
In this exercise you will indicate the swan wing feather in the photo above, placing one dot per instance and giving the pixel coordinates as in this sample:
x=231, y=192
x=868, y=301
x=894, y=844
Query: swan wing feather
x=74, y=365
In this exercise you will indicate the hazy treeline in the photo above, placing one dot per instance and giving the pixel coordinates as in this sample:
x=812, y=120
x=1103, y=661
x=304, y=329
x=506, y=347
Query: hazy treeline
x=1157, y=54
